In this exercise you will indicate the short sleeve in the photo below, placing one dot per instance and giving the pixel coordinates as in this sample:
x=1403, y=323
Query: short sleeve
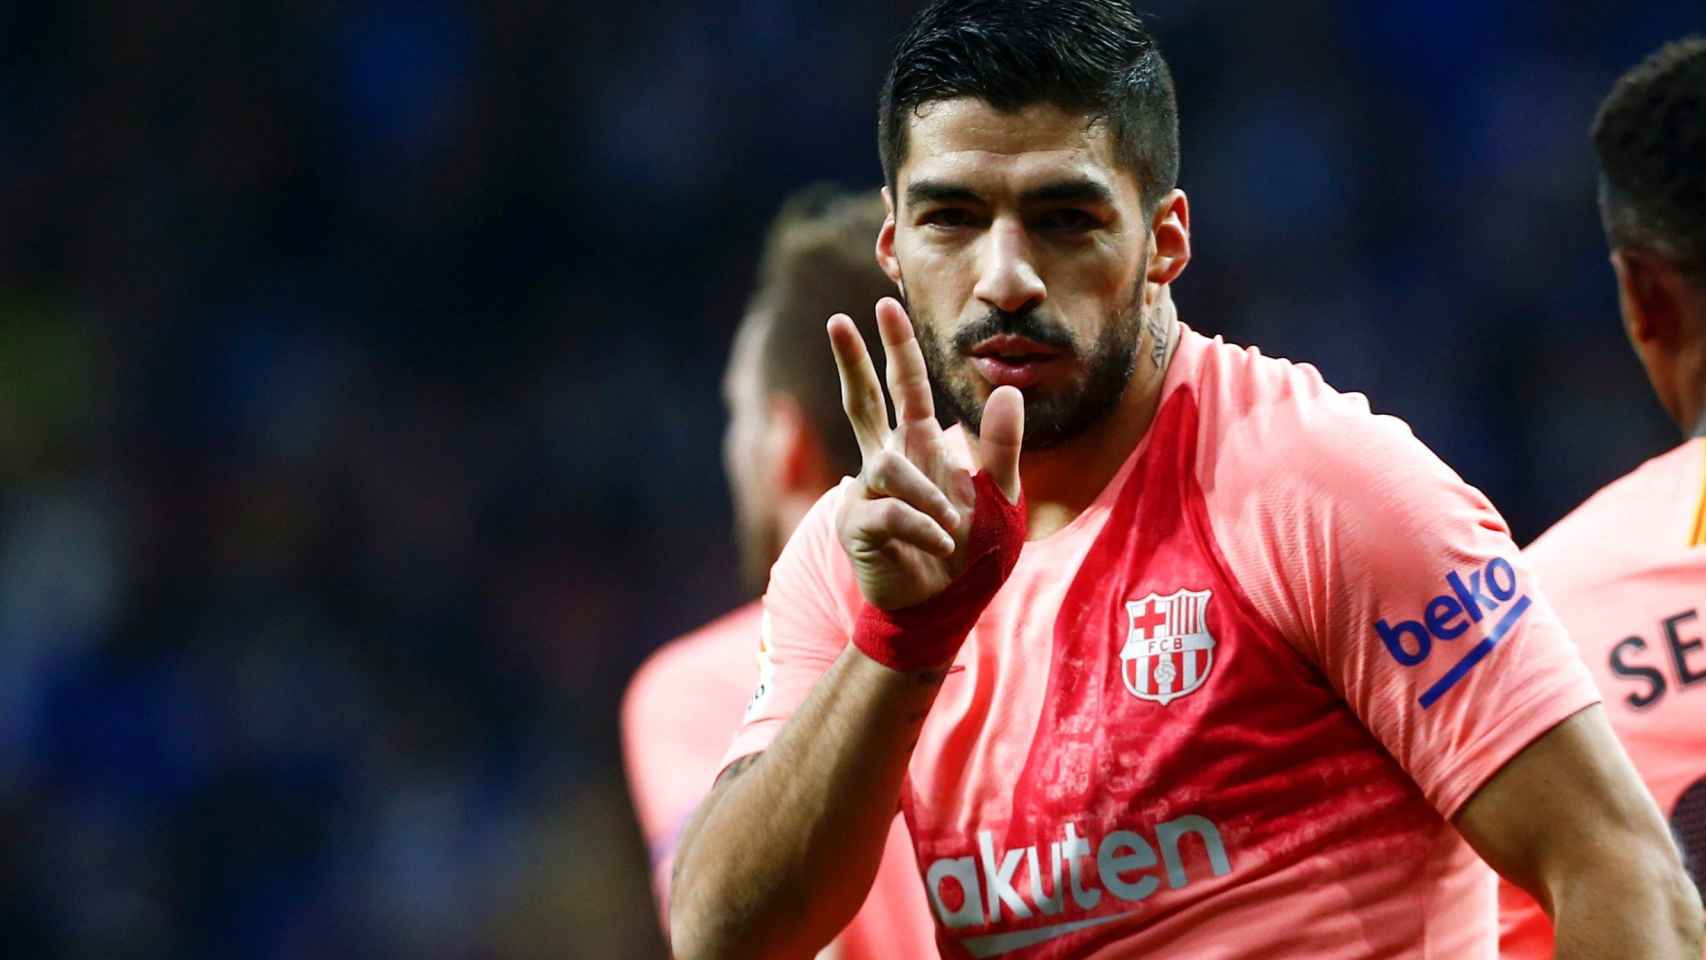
x=1399, y=580
x=643, y=759
x=677, y=716
x=808, y=620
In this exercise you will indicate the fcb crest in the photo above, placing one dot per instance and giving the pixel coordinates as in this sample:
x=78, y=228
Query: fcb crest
x=1168, y=651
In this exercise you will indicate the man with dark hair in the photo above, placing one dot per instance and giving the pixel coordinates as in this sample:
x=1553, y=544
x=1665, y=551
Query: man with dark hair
x=1243, y=671
x=1627, y=569
x=786, y=443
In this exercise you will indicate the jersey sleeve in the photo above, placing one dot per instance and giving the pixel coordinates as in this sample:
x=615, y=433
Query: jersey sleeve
x=1399, y=581
x=808, y=619
x=677, y=716
x=646, y=757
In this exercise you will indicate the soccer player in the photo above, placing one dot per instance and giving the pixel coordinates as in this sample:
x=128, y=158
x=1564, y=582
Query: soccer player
x=1627, y=569
x=1204, y=660
x=787, y=442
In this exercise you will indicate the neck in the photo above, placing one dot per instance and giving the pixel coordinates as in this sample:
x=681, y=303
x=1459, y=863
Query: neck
x=1060, y=483
x=1687, y=373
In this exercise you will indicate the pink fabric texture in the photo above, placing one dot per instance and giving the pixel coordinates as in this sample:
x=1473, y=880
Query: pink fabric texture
x=1252, y=680
x=677, y=717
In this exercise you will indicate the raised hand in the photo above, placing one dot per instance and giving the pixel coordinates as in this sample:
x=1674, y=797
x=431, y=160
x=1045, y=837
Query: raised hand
x=905, y=520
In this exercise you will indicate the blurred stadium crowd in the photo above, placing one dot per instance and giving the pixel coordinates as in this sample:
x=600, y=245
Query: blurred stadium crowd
x=360, y=429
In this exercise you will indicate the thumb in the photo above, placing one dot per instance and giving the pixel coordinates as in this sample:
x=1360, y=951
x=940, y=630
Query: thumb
x=1000, y=437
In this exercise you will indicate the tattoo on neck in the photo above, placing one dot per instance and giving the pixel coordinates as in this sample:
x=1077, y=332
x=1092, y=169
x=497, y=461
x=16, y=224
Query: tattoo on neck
x=1158, y=339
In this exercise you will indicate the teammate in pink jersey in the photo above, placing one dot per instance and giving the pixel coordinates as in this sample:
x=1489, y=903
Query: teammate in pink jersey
x=787, y=441
x=1206, y=660
x=1627, y=569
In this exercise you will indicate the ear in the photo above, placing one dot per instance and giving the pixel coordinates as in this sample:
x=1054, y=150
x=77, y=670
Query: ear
x=1171, y=228
x=1653, y=297
x=1646, y=296
x=792, y=452
x=885, y=240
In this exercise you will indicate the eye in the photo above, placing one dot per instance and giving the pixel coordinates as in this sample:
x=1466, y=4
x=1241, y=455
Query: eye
x=1068, y=220
x=948, y=218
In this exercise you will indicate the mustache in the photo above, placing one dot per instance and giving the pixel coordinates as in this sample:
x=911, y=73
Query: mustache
x=1028, y=324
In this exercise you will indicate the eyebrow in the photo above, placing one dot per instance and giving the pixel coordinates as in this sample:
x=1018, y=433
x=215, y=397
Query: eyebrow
x=1077, y=190
x=1074, y=190
x=936, y=191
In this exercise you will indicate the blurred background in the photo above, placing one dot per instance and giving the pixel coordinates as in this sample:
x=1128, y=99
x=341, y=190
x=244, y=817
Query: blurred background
x=358, y=413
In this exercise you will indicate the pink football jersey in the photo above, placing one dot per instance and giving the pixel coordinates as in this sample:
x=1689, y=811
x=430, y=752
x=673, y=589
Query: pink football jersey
x=1627, y=571
x=1227, y=711
x=679, y=713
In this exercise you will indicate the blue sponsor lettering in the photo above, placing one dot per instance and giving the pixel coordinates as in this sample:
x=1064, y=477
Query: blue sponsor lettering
x=1471, y=596
x=1497, y=566
x=1443, y=618
x=1475, y=595
x=1393, y=637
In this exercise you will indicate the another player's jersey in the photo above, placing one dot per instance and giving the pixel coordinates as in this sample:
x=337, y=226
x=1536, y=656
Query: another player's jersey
x=677, y=718
x=1627, y=571
x=1229, y=709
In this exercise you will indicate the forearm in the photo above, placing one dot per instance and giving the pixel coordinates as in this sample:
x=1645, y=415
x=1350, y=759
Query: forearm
x=1638, y=905
x=782, y=855
x=1568, y=820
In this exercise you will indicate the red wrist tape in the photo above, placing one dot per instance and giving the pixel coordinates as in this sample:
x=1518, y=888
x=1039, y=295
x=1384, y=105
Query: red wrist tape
x=929, y=634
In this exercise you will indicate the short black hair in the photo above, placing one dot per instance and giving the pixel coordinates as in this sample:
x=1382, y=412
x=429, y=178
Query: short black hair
x=1650, y=138
x=819, y=259
x=1090, y=56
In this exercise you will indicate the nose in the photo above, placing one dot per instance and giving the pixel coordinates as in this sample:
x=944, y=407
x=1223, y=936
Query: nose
x=1008, y=279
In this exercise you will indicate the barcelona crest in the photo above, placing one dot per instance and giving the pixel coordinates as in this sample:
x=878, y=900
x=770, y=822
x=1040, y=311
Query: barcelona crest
x=1168, y=652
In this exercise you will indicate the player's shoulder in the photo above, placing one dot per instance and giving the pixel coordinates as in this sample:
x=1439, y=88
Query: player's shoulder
x=1275, y=421
x=1658, y=501
x=722, y=649
x=818, y=524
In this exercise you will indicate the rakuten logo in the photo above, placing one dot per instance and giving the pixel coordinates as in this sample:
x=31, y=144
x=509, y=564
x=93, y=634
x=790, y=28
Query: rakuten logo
x=1449, y=615
x=974, y=891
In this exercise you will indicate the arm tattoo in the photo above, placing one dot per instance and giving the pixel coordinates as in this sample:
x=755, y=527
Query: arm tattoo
x=675, y=870
x=728, y=775
x=930, y=678
x=735, y=769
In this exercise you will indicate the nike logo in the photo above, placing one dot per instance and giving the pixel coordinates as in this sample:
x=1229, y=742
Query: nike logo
x=996, y=944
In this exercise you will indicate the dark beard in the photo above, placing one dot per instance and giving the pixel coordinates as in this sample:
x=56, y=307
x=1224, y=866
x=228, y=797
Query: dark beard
x=1052, y=415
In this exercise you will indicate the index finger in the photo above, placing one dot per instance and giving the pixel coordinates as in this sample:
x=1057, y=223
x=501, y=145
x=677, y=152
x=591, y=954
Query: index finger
x=861, y=391
x=909, y=380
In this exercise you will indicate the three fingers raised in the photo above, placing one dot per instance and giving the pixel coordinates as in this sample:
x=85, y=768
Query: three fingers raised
x=1001, y=433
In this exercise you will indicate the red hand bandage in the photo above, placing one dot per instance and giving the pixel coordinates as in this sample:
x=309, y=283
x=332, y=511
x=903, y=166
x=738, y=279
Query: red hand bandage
x=928, y=634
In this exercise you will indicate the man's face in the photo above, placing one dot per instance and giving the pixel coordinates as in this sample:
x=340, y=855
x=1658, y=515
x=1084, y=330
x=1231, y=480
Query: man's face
x=746, y=456
x=1021, y=248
